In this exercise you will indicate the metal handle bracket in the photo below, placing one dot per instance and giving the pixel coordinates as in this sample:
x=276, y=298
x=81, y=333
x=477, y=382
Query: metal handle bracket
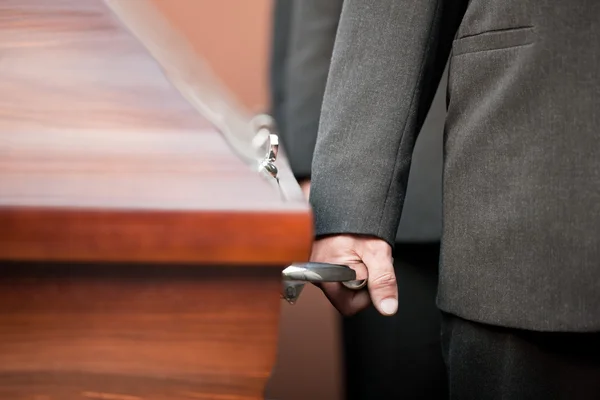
x=297, y=275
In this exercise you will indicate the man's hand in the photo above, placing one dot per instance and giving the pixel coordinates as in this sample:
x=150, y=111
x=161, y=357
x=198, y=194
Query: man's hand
x=369, y=257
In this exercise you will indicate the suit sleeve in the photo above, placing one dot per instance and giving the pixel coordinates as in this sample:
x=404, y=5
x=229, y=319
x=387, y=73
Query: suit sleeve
x=312, y=35
x=387, y=61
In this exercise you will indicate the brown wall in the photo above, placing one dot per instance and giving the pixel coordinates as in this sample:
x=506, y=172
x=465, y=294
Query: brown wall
x=233, y=35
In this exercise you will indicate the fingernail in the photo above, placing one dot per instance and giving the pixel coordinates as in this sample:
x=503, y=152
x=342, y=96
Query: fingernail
x=389, y=306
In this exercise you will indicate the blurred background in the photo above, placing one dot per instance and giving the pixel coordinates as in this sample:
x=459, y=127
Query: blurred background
x=234, y=37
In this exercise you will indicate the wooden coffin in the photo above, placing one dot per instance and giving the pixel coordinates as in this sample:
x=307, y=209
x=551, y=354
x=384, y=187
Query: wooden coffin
x=140, y=257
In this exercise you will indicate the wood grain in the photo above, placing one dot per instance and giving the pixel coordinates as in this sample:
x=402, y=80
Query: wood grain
x=132, y=332
x=101, y=158
x=139, y=257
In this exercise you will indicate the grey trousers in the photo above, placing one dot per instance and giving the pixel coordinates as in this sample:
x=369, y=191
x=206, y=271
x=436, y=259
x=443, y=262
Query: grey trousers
x=494, y=363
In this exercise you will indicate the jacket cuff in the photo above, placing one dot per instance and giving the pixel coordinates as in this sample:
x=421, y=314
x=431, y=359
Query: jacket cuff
x=338, y=212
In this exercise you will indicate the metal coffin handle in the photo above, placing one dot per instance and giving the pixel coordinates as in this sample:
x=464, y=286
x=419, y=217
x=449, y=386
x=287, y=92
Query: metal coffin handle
x=266, y=139
x=297, y=275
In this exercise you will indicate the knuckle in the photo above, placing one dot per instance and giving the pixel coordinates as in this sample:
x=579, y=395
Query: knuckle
x=387, y=279
x=379, y=248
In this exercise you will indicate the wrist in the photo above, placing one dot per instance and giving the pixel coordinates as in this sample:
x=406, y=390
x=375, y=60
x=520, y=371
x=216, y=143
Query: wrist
x=370, y=243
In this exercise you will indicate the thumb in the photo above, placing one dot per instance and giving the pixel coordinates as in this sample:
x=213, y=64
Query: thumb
x=382, y=285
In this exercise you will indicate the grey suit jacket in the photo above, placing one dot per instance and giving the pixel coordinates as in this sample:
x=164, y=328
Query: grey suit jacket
x=299, y=75
x=282, y=14
x=521, y=184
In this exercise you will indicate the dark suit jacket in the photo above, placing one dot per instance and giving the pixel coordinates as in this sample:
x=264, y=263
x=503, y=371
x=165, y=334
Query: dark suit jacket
x=521, y=229
x=303, y=39
x=282, y=15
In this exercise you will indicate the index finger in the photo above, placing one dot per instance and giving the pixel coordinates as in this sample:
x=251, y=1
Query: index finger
x=346, y=301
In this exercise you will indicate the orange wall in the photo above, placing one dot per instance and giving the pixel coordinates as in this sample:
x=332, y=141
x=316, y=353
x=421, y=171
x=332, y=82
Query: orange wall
x=233, y=36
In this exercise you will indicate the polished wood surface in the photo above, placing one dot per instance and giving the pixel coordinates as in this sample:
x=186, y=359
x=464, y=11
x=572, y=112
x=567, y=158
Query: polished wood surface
x=140, y=258
x=136, y=332
x=102, y=159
